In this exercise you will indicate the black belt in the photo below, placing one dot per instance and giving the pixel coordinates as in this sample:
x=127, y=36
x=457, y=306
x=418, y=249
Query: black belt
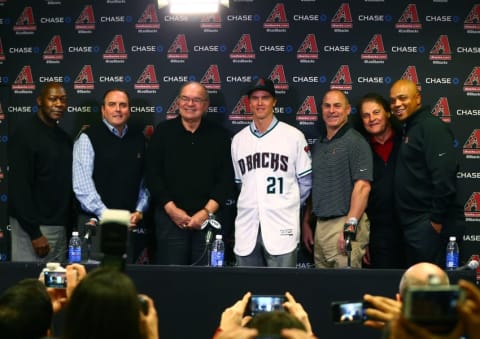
x=328, y=218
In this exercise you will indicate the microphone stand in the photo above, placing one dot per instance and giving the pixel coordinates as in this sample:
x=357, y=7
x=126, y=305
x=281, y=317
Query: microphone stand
x=90, y=231
x=349, y=235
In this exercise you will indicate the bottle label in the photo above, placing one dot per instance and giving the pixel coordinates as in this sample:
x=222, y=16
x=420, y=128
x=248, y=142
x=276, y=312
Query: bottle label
x=452, y=260
x=74, y=254
x=216, y=258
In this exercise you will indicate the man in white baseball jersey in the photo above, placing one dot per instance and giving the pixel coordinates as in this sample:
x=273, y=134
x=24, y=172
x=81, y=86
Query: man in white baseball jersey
x=272, y=166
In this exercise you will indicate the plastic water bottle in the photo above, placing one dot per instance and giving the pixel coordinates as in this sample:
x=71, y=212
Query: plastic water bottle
x=75, y=248
x=452, y=254
x=217, y=254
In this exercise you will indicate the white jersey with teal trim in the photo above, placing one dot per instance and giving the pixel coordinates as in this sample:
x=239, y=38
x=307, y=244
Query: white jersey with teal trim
x=268, y=168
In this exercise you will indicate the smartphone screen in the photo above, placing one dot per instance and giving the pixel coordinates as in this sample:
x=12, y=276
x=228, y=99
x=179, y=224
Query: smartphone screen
x=55, y=279
x=265, y=303
x=348, y=312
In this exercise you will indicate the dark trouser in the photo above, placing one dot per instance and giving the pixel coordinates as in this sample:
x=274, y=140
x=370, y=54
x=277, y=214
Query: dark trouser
x=386, y=245
x=423, y=243
x=176, y=246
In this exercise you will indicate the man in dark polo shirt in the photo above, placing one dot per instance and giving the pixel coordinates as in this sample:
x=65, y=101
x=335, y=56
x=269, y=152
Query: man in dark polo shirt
x=342, y=172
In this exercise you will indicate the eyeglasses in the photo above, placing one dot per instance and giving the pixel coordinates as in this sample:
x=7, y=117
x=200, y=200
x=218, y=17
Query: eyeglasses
x=185, y=99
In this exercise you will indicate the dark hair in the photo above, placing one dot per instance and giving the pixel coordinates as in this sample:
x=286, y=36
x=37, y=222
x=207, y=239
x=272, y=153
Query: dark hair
x=46, y=88
x=373, y=97
x=103, y=305
x=272, y=323
x=25, y=310
x=108, y=91
x=356, y=119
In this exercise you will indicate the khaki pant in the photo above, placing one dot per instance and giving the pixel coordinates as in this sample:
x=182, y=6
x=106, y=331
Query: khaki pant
x=326, y=252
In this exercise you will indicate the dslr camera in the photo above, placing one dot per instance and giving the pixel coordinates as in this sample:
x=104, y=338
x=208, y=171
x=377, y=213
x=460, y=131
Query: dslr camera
x=433, y=306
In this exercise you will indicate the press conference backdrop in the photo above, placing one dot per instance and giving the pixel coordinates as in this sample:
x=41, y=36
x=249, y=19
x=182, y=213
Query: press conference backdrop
x=305, y=46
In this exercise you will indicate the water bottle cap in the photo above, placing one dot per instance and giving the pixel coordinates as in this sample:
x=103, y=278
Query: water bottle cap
x=75, y=233
x=453, y=238
x=218, y=237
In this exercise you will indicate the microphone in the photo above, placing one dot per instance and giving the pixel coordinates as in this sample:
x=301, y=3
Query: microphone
x=471, y=265
x=90, y=228
x=350, y=232
x=214, y=224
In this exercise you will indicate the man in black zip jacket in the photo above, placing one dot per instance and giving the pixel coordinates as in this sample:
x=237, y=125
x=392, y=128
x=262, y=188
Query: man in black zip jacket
x=425, y=178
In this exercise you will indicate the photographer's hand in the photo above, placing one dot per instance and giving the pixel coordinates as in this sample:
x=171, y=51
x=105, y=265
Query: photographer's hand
x=75, y=273
x=149, y=321
x=382, y=311
x=297, y=310
x=232, y=317
x=470, y=309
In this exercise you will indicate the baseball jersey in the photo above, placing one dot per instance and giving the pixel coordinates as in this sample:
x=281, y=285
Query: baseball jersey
x=268, y=168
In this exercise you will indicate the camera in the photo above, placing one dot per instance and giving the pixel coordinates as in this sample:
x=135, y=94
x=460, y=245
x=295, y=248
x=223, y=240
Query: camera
x=55, y=276
x=349, y=312
x=433, y=306
x=264, y=303
x=113, y=238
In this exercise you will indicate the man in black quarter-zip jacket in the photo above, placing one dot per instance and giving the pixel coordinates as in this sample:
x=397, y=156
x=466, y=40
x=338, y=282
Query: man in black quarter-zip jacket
x=425, y=178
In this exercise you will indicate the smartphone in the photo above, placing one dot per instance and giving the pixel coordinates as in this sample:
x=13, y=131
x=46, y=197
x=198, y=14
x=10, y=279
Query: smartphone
x=143, y=305
x=265, y=303
x=349, y=312
x=55, y=279
x=432, y=305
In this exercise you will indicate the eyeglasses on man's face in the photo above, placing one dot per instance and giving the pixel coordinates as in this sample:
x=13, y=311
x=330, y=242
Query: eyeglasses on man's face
x=186, y=99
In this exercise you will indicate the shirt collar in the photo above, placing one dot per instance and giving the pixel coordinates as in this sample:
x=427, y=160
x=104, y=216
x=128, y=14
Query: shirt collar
x=255, y=131
x=114, y=130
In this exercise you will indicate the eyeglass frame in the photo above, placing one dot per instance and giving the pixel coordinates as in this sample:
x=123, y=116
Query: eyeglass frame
x=186, y=99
